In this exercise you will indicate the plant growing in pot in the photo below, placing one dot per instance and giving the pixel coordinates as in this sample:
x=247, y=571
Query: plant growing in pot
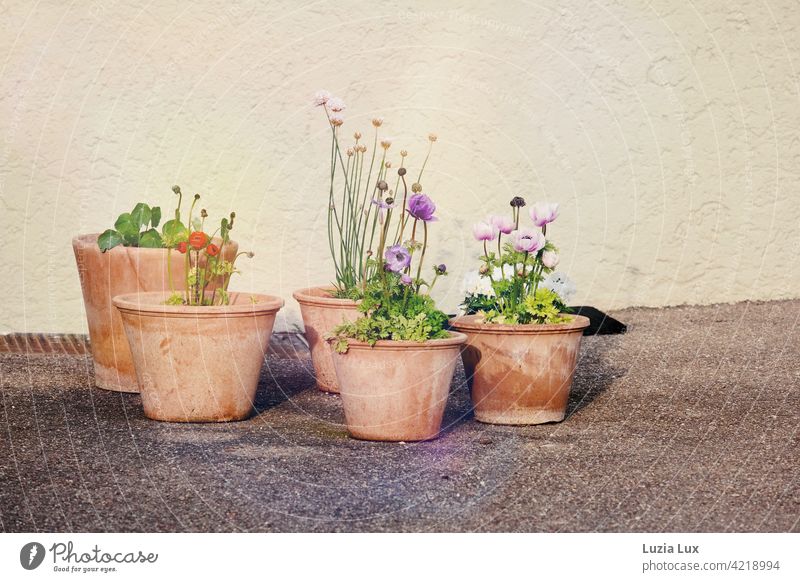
x=523, y=344
x=352, y=227
x=394, y=364
x=198, y=350
x=133, y=256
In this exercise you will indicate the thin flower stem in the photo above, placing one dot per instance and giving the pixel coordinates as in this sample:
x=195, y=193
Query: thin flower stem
x=422, y=254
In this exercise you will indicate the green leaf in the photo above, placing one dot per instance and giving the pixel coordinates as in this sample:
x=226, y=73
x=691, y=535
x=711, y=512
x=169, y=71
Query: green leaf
x=140, y=215
x=155, y=216
x=126, y=226
x=173, y=232
x=109, y=239
x=150, y=239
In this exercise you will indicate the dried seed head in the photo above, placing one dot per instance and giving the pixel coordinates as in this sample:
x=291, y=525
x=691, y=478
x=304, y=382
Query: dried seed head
x=363, y=148
x=403, y=153
x=401, y=172
x=357, y=135
x=349, y=152
x=203, y=213
x=432, y=137
x=382, y=186
x=386, y=144
x=250, y=254
x=176, y=189
x=377, y=121
x=416, y=187
x=388, y=164
x=517, y=202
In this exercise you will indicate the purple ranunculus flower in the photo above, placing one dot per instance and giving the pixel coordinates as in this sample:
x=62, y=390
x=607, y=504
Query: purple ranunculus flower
x=422, y=207
x=405, y=280
x=397, y=258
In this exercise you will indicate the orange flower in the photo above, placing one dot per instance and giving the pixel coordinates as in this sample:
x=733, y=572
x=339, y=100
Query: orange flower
x=212, y=250
x=182, y=247
x=198, y=239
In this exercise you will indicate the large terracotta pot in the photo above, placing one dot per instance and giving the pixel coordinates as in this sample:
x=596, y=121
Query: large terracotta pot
x=397, y=391
x=117, y=271
x=520, y=374
x=198, y=364
x=321, y=313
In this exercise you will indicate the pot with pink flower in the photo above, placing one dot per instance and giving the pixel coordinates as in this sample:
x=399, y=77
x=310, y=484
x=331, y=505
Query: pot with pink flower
x=198, y=350
x=523, y=344
x=358, y=200
x=394, y=365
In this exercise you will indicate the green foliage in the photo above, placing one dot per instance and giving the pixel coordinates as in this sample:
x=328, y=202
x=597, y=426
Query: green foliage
x=517, y=297
x=392, y=312
x=134, y=229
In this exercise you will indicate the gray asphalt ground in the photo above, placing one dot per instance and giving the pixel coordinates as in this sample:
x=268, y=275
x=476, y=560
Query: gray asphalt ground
x=689, y=422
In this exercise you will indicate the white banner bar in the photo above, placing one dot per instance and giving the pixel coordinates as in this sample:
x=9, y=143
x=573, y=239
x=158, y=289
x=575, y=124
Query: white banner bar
x=406, y=557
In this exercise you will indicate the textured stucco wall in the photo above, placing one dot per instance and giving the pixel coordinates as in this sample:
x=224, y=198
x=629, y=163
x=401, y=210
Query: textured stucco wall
x=667, y=130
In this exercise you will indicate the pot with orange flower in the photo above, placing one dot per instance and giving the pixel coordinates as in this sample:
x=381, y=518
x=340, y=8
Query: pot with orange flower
x=356, y=207
x=131, y=257
x=198, y=351
x=523, y=344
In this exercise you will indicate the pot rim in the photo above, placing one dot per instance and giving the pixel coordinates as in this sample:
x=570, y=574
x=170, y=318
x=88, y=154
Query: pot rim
x=148, y=304
x=306, y=297
x=470, y=323
x=456, y=339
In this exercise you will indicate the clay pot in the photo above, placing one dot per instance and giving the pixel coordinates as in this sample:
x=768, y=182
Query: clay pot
x=198, y=364
x=117, y=271
x=321, y=313
x=397, y=391
x=520, y=374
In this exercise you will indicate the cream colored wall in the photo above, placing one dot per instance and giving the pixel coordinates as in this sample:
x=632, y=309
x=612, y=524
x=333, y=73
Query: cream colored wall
x=668, y=130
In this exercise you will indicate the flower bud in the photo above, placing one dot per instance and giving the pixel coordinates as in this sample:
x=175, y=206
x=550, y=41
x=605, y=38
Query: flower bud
x=432, y=137
x=382, y=185
x=176, y=189
x=203, y=213
x=357, y=135
x=390, y=201
x=517, y=202
x=440, y=269
x=401, y=172
x=349, y=152
x=377, y=121
x=416, y=187
x=388, y=164
x=483, y=269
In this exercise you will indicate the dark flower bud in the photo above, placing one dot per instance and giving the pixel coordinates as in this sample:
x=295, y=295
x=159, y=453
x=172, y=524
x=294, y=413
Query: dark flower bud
x=517, y=202
x=382, y=185
x=483, y=269
x=176, y=189
x=197, y=196
x=203, y=213
x=440, y=269
x=401, y=172
x=390, y=201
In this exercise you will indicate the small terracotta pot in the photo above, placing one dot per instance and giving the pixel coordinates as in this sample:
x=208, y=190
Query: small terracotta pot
x=397, y=391
x=321, y=313
x=198, y=364
x=117, y=271
x=520, y=374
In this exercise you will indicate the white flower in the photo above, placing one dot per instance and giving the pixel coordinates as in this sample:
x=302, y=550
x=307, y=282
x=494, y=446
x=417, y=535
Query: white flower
x=336, y=104
x=561, y=284
x=475, y=284
x=321, y=97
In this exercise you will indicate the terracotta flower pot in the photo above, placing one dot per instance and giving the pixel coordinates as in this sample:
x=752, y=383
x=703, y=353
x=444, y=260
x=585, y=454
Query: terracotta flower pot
x=397, y=391
x=117, y=271
x=198, y=364
x=520, y=374
x=321, y=313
